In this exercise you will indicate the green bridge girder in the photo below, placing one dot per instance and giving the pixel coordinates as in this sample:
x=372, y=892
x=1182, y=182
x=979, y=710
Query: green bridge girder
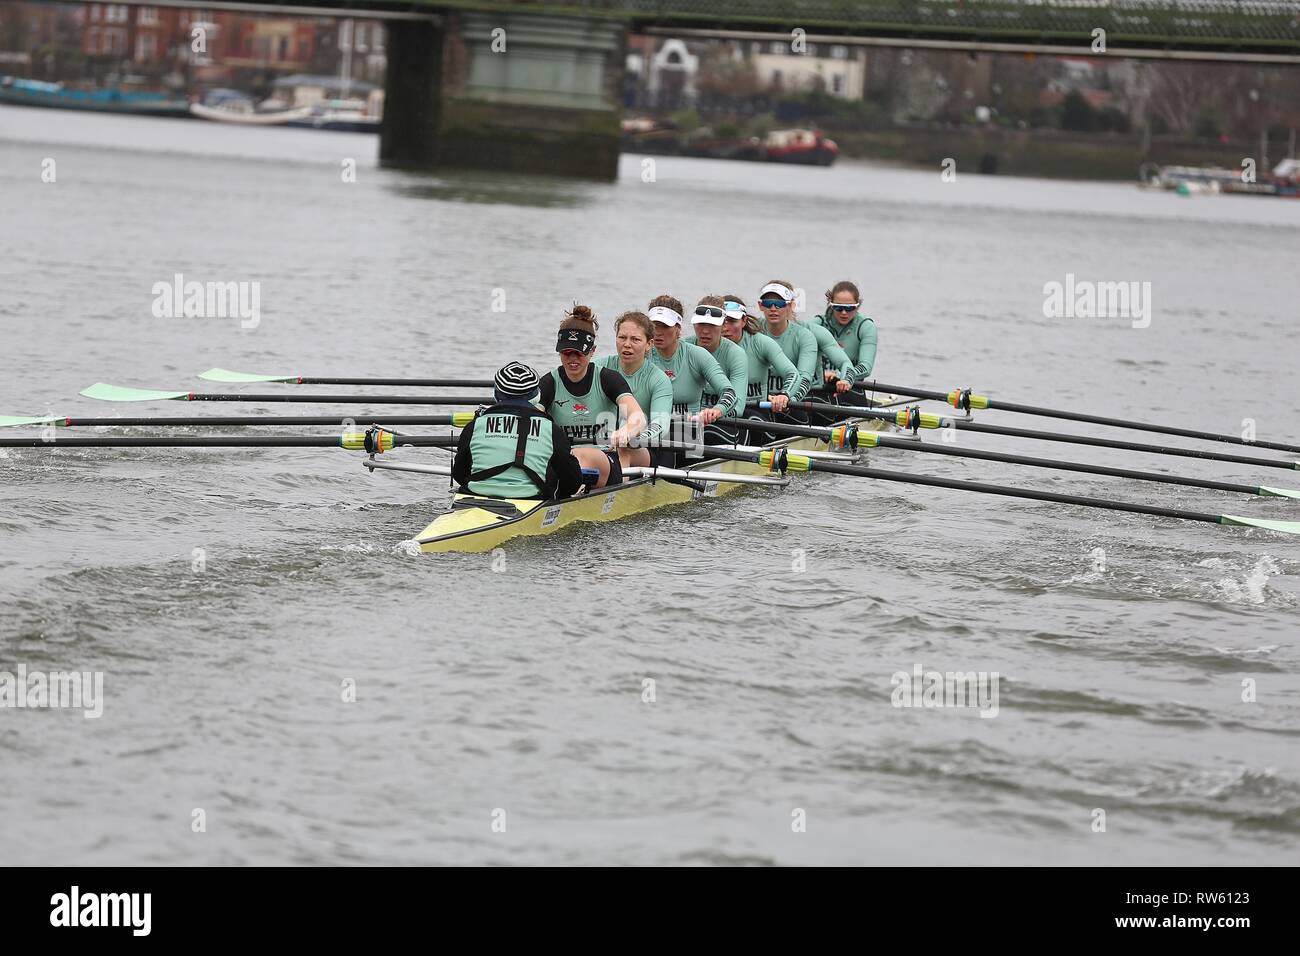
x=1246, y=26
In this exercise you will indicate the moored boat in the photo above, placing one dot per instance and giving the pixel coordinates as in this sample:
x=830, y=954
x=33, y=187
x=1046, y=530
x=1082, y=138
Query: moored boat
x=16, y=91
x=1283, y=182
x=344, y=116
x=241, y=113
x=806, y=147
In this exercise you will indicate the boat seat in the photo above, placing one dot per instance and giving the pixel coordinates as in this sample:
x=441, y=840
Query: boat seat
x=497, y=506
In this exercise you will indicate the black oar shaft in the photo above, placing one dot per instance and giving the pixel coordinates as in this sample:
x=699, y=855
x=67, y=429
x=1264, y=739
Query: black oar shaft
x=1010, y=492
x=356, y=418
x=405, y=382
x=1010, y=432
x=1082, y=467
x=339, y=399
x=706, y=451
x=1121, y=445
x=211, y=441
x=785, y=428
x=1073, y=416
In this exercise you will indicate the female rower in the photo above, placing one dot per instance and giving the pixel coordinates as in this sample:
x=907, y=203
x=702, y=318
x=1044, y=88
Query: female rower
x=588, y=409
x=652, y=389
x=797, y=341
x=771, y=376
x=855, y=332
x=707, y=321
x=690, y=367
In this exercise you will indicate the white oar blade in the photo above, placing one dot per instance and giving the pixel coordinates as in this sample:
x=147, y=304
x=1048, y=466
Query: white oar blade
x=13, y=421
x=1279, y=492
x=226, y=375
x=117, y=393
x=1268, y=524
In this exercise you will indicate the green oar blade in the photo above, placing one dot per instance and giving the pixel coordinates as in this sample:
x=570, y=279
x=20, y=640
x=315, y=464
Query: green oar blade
x=226, y=375
x=1268, y=524
x=13, y=421
x=118, y=393
x=1279, y=492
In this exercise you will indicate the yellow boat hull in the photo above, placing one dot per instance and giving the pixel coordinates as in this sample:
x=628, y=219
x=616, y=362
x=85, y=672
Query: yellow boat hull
x=472, y=528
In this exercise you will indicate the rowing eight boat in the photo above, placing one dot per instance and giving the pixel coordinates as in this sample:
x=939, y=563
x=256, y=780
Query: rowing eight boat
x=475, y=524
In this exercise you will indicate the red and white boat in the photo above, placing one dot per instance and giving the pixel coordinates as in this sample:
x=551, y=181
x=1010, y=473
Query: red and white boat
x=805, y=146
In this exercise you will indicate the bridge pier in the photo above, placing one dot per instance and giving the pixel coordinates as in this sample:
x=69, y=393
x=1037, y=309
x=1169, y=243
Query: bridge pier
x=408, y=134
x=511, y=92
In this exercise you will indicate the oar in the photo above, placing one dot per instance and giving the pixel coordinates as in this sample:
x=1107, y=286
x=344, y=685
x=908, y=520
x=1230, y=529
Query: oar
x=377, y=441
x=795, y=462
x=910, y=416
x=877, y=440
x=677, y=474
x=737, y=452
x=456, y=420
x=118, y=393
x=682, y=474
x=965, y=400
x=225, y=375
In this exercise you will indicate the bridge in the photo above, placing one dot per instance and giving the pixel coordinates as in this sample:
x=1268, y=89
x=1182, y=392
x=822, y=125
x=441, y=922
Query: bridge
x=535, y=84
x=1235, y=30
x=1253, y=30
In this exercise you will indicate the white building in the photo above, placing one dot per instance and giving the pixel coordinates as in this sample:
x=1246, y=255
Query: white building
x=841, y=70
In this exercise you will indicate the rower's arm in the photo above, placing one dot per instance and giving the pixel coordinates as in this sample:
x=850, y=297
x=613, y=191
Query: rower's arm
x=630, y=412
x=564, y=469
x=462, y=466
x=711, y=372
x=661, y=406
x=616, y=388
x=866, y=350
x=770, y=352
x=738, y=374
x=807, y=362
x=838, y=358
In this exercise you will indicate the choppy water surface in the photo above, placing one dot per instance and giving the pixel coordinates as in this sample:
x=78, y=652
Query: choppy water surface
x=1122, y=642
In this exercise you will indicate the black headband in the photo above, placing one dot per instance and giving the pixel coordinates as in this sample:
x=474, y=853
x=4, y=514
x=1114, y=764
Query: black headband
x=579, y=339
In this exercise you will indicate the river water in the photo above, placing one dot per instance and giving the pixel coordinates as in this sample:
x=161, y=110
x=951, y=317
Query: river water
x=229, y=597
